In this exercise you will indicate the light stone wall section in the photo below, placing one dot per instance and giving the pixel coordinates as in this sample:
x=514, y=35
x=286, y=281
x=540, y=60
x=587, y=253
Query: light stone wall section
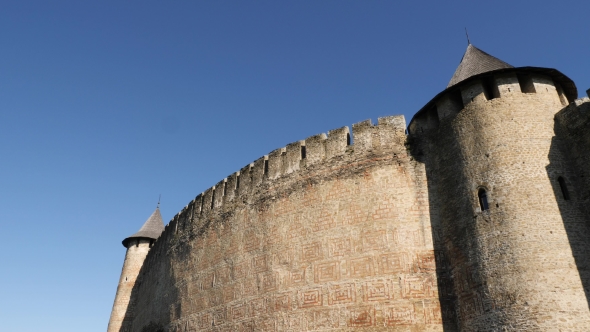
x=121, y=315
x=339, y=240
x=513, y=265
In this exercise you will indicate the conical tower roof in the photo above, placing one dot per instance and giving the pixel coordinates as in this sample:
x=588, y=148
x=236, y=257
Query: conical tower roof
x=151, y=229
x=474, y=62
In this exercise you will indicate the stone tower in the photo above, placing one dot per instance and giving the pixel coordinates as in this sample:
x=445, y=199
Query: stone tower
x=487, y=142
x=137, y=246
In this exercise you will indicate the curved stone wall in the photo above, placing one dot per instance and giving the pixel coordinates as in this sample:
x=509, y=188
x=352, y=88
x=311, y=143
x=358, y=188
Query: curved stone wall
x=513, y=265
x=318, y=235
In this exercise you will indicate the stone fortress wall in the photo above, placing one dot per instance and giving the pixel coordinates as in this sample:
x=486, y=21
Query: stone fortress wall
x=515, y=264
x=477, y=219
x=286, y=243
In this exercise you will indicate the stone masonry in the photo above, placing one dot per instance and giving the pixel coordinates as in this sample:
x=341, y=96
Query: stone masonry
x=475, y=219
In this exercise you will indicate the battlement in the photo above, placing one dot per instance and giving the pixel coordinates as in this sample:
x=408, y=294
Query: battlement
x=388, y=133
x=485, y=88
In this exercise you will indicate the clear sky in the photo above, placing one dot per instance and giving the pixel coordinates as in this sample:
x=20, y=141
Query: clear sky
x=104, y=105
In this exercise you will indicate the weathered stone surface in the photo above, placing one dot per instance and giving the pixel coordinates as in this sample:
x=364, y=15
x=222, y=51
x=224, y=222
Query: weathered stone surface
x=388, y=231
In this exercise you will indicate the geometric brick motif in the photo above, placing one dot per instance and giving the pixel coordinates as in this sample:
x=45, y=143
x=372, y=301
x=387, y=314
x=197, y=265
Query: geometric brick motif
x=432, y=312
x=325, y=319
x=361, y=316
x=345, y=293
x=269, y=281
x=258, y=306
x=310, y=298
x=251, y=241
x=260, y=263
x=311, y=252
x=239, y=311
x=426, y=261
x=401, y=314
x=327, y=272
x=297, y=277
x=417, y=286
x=340, y=247
x=378, y=290
x=241, y=269
x=394, y=263
x=361, y=267
x=282, y=302
x=373, y=240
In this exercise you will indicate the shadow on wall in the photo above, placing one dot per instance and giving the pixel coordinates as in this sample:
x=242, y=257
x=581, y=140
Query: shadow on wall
x=570, y=182
x=153, y=313
x=448, y=299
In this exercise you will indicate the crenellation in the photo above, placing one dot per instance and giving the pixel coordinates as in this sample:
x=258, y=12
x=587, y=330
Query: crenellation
x=257, y=172
x=507, y=84
x=477, y=220
x=208, y=200
x=292, y=158
x=231, y=187
x=472, y=92
x=389, y=132
x=362, y=132
x=337, y=142
x=275, y=163
x=315, y=149
x=199, y=205
x=219, y=194
x=448, y=106
x=245, y=180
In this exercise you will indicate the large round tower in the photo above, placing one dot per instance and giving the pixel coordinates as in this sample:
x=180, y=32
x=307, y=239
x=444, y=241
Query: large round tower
x=137, y=246
x=496, y=187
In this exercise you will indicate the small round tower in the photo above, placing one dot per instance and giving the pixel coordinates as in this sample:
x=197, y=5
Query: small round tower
x=137, y=246
x=487, y=142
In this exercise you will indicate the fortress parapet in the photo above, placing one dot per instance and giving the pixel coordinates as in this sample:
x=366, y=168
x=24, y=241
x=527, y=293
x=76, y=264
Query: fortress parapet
x=485, y=87
x=389, y=133
x=477, y=220
x=494, y=173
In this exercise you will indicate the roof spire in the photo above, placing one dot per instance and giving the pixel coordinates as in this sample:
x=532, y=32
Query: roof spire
x=475, y=62
x=151, y=229
x=159, y=197
x=467, y=34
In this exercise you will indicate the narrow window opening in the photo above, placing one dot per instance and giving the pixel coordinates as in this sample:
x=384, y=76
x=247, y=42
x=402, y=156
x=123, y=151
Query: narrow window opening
x=237, y=181
x=212, y=198
x=266, y=166
x=347, y=138
x=303, y=152
x=526, y=83
x=483, y=199
x=137, y=243
x=490, y=88
x=125, y=278
x=564, y=191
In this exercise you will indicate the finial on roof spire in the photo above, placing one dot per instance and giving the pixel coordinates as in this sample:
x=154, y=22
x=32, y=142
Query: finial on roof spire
x=159, y=197
x=467, y=34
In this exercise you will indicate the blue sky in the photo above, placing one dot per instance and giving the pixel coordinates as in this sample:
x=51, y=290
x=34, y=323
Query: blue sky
x=105, y=105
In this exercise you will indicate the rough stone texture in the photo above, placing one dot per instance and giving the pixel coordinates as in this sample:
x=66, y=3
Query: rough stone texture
x=388, y=233
x=300, y=250
x=122, y=313
x=522, y=264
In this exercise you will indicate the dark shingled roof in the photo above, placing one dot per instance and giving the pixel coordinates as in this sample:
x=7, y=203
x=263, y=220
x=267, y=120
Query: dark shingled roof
x=474, y=62
x=151, y=229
